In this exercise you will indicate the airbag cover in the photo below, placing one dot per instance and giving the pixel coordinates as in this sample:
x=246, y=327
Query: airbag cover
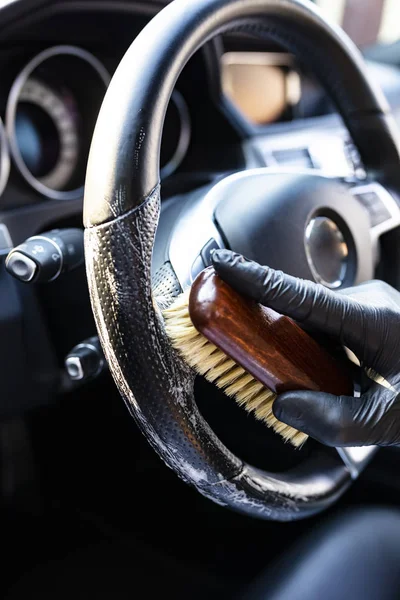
x=265, y=217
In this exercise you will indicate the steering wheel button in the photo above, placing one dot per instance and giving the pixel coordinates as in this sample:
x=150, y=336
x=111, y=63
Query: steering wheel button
x=380, y=216
x=20, y=266
x=378, y=213
x=208, y=250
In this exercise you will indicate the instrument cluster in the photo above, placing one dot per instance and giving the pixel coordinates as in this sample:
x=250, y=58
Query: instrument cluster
x=50, y=116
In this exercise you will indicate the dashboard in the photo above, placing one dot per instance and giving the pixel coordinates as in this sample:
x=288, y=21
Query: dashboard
x=237, y=105
x=53, y=102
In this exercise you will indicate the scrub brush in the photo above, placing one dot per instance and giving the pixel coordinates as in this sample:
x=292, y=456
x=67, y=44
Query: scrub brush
x=249, y=351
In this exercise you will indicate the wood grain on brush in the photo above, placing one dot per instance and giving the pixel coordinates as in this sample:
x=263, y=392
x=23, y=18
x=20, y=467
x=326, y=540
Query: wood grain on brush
x=269, y=346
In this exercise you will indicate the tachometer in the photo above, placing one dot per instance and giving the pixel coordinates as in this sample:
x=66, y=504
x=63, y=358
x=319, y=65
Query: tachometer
x=51, y=112
x=46, y=132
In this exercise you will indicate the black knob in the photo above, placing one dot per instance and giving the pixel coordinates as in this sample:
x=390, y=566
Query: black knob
x=43, y=258
x=85, y=361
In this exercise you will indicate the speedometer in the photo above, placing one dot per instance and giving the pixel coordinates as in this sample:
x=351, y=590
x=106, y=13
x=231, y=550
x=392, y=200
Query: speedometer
x=51, y=112
x=46, y=132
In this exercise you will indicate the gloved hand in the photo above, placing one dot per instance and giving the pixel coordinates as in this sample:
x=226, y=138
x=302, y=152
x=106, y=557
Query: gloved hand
x=369, y=326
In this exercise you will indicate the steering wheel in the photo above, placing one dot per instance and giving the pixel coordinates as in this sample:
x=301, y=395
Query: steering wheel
x=121, y=213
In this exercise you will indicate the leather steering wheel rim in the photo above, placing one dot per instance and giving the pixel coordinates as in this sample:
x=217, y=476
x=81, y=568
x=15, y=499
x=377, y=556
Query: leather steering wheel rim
x=121, y=210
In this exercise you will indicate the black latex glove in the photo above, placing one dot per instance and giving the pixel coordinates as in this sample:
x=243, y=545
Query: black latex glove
x=369, y=326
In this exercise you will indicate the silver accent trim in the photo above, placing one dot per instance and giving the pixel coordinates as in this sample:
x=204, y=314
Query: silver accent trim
x=29, y=264
x=89, y=345
x=387, y=200
x=11, y=110
x=184, y=137
x=57, y=247
x=356, y=459
x=5, y=162
x=75, y=362
x=309, y=254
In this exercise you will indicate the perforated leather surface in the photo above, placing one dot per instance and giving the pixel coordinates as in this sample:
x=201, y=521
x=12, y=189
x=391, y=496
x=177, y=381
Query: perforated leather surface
x=156, y=386
x=165, y=285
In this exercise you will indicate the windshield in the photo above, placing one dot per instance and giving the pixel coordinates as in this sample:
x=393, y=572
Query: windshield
x=368, y=22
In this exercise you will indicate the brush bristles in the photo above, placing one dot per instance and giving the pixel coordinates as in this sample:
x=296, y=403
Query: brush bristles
x=209, y=361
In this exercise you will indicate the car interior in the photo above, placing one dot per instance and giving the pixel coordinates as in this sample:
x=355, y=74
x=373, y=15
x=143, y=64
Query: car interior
x=136, y=137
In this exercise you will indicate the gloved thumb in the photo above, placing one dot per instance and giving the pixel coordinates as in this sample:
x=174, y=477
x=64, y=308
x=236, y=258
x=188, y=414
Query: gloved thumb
x=332, y=420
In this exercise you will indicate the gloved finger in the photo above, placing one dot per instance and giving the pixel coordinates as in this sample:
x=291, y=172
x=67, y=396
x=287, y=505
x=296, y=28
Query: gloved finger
x=332, y=420
x=305, y=301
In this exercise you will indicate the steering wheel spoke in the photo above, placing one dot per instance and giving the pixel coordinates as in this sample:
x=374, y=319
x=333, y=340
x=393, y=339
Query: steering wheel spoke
x=187, y=243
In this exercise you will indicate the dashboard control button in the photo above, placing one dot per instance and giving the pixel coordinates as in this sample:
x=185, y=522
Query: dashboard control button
x=21, y=266
x=52, y=253
x=378, y=213
x=74, y=367
x=85, y=361
x=208, y=250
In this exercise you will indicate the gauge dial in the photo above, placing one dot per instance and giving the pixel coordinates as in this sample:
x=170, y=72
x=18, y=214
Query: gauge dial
x=47, y=133
x=51, y=112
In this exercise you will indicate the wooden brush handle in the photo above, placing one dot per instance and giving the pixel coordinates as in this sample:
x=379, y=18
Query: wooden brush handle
x=269, y=346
